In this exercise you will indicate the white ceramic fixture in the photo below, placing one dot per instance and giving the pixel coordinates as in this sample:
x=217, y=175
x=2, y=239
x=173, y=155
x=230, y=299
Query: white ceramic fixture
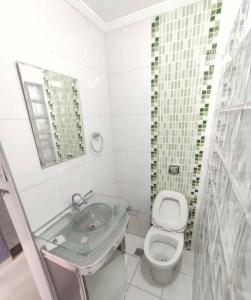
x=165, y=239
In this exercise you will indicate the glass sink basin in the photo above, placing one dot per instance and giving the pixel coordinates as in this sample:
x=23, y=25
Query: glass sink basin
x=94, y=217
x=82, y=237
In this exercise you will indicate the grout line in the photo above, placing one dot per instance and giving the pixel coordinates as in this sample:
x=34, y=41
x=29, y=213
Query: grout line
x=137, y=265
x=131, y=114
x=188, y=275
x=128, y=70
x=159, y=297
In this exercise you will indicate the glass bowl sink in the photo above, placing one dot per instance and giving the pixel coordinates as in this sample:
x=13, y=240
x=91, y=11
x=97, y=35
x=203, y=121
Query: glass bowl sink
x=82, y=237
x=94, y=217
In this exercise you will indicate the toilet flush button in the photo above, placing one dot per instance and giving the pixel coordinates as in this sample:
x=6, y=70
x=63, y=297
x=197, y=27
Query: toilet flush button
x=174, y=170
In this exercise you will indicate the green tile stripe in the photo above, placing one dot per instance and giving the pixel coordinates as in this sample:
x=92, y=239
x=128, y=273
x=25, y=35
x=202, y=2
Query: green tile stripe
x=203, y=114
x=154, y=104
x=180, y=97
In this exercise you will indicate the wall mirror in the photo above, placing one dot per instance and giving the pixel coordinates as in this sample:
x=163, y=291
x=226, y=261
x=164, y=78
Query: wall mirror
x=54, y=109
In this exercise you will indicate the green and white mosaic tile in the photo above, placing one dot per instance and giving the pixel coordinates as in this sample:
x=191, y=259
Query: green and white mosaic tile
x=65, y=114
x=184, y=44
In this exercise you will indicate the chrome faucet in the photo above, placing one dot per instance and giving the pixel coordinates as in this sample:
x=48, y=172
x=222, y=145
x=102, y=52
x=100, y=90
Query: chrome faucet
x=78, y=200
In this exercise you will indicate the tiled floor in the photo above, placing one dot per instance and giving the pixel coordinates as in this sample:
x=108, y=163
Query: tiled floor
x=141, y=286
x=16, y=281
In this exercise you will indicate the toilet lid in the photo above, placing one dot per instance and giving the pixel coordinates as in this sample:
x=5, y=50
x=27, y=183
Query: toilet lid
x=170, y=211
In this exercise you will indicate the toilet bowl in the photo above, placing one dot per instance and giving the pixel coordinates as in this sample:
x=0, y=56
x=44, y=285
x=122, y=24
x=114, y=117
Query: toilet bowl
x=164, y=241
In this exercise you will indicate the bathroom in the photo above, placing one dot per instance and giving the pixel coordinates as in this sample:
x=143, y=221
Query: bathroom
x=154, y=111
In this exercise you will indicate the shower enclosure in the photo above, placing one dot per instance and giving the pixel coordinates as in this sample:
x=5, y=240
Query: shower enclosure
x=222, y=267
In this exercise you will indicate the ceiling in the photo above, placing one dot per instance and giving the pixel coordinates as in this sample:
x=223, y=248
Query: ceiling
x=110, y=10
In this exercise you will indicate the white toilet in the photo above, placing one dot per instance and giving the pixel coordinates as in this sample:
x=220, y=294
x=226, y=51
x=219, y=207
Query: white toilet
x=165, y=239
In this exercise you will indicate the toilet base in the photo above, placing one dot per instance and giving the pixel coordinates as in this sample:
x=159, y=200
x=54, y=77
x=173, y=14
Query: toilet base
x=162, y=277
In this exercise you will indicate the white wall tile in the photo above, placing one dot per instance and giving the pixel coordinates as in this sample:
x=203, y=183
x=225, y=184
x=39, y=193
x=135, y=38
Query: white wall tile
x=114, y=51
x=11, y=94
x=131, y=133
x=133, y=167
x=42, y=202
x=130, y=92
x=136, y=51
x=138, y=196
x=129, y=61
x=95, y=94
x=67, y=43
x=76, y=180
x=102, y=125
x=19, y=145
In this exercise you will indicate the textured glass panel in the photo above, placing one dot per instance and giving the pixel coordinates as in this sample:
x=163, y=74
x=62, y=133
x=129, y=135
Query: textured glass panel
x=212, y=227
x=231, y=132
x=208, y=288
x=221, y=185
x=243, y=69
x=229, y=294
x=39, y=109
x=230, y=174
x=43, y=125
x=219, y=271
x=35, y=93
x=242, y=269
x=230, y=224
x=248, y=91
x=221, y=125
x=215, y=166
x=228, y=83
x=241, y=163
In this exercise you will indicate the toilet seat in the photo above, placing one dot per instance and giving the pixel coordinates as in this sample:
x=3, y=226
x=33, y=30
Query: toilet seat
x=170, y=211
x=164, y=239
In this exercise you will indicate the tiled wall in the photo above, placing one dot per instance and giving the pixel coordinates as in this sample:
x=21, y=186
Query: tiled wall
x=128, y=55
x=51, y=34
x=222, y=268
x=67, y=43
x=184, y=43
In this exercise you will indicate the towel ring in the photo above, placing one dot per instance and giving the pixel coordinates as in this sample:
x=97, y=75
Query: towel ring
x=97, y=142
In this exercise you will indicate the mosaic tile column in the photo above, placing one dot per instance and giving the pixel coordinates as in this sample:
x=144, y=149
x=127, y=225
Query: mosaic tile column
x=184, y=43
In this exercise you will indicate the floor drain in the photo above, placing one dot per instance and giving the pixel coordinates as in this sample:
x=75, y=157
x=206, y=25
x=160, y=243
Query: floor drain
x=139, y=252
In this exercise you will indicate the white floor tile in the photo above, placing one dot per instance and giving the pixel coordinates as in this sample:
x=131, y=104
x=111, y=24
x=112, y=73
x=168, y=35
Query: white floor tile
x=143, y=279
x=138, y=294
x=133, y=242
x=179, y=289
x=132, y=263
x=17, y=281
x=186, y=263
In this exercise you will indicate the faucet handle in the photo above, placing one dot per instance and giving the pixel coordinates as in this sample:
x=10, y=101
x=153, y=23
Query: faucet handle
x=77, y=198
x=88, y=195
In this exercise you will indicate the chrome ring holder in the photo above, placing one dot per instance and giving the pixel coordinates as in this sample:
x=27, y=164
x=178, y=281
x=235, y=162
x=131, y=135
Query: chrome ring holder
x=97, y=142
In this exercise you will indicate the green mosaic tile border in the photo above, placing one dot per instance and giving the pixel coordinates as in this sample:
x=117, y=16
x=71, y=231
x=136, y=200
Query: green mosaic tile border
x=203, y=114
x=154, y=104
x=167, y=112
